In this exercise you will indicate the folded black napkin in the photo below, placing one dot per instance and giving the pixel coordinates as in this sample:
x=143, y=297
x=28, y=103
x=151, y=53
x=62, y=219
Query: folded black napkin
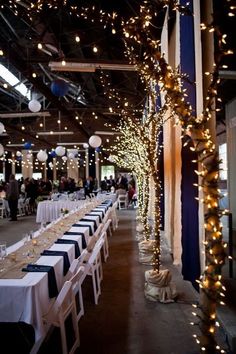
x=85, y=225
x=101, y=210
x=73, y=242
x=104, y=206
x=94, y=214
x=107, y=202
x=91, y=220
x=66, y=262
x=52, y=284
x=73, y=233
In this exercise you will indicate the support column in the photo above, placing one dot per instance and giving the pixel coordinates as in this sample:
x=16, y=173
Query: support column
x=72, y=165
x=54, y=161
x=27, y=164
x=4, y=170
x=87, y=162
x=97, y=168
x=13, y=164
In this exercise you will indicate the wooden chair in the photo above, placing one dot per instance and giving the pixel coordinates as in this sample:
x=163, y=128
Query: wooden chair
x=77, y=280
x=94, y=269
x=3, y=211
x=122, y=201
x=63, y=307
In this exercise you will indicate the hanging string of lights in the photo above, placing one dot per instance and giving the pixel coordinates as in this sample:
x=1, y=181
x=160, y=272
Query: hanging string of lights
x=154, y=69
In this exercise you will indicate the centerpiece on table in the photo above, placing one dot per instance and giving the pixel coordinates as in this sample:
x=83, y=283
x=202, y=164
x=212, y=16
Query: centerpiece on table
x=64, y=211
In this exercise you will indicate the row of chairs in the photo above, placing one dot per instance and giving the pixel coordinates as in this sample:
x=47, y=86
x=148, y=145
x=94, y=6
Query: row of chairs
x=24, y=207
x=70, y=299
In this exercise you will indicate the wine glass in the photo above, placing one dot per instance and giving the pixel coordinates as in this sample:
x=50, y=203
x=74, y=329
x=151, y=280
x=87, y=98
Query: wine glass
x=31, y=234
x=3, y=254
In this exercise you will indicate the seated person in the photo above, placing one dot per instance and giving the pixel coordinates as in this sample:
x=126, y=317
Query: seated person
x=131, y=192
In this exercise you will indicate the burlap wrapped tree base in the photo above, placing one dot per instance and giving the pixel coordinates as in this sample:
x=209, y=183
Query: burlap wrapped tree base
x=139, y=235
x=158, y=286
x=139, y=228
x=146, y=251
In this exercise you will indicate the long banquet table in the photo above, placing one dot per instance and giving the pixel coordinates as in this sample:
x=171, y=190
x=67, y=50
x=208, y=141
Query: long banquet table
x=26, y=296
x=49, y=210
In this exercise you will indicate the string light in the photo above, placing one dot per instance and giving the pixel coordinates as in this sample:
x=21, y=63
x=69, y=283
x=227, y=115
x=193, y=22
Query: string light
x=153, y=69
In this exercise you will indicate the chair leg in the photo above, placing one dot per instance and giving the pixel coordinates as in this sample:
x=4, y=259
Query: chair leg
x=63, y=338
x=76, y=331
x=100, y=271
x=105, y=249
x=96, y=285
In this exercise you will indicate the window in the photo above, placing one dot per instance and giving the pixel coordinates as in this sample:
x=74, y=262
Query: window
x=107, y=171
x=223, y=165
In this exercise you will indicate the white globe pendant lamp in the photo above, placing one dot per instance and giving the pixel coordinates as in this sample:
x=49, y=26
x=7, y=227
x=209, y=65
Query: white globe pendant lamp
x=34, y=106
x=2, y=128
x=60, y=150
x=1, y=150
x=42, y=156
x=95, y=141
x=71, y=156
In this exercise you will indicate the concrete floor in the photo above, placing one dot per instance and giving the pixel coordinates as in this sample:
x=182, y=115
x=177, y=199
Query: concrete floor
x=13, y=231
x=124, y=321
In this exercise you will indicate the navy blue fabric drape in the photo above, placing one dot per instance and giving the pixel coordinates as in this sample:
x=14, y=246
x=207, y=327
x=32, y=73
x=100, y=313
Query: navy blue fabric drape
x=161, y=162
x=92, y=169
x=161, y=177
x=190, y=224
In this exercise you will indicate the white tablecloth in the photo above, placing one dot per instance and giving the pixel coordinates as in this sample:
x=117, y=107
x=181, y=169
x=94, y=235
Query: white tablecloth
x=27, y=299
x=48, y=210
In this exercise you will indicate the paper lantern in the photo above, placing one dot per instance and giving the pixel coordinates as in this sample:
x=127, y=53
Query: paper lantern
x=1, y=150
x=95, y=141
x=59, y=87
x=110, y=158
x=64, y=158
x=98, y=149
x=34, y=106
x=27, y=145
x=85, y=145
x=53, y=153
x=71, y=156
x=28, y=156
x=2, y=128
x=18, y=153
x=60, y=150
x=42, y=156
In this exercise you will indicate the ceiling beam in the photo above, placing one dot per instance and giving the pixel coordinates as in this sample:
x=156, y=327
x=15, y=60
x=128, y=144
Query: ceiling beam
x=89, y=67
x=13, y=53
x=24, y=114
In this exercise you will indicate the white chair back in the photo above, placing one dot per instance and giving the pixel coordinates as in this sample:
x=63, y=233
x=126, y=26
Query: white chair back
x=77, y=281
x=63, y=306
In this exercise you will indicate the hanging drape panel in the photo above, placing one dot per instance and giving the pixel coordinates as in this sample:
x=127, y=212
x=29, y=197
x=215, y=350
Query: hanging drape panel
x=190, y=241
x=190, y=222
x=160, y=161
x=161, y=177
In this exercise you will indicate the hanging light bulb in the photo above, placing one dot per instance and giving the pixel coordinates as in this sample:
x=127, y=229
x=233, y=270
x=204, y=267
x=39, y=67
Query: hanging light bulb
x=95, y=49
